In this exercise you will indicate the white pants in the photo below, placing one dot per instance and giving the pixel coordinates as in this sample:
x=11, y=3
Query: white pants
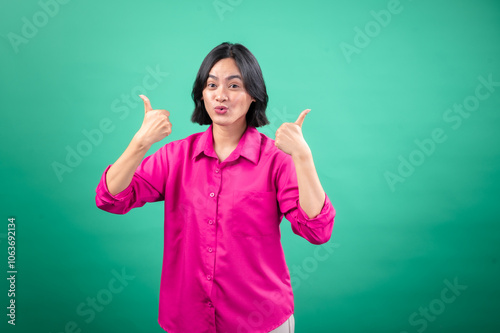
x=287, y=327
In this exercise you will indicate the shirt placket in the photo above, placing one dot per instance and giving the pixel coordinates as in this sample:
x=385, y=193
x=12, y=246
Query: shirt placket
x=211, y=240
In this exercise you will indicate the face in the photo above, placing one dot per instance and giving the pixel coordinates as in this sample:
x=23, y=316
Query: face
x=225, y=96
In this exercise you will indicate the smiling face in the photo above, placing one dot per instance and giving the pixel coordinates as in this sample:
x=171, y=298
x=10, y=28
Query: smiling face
x=225, y=97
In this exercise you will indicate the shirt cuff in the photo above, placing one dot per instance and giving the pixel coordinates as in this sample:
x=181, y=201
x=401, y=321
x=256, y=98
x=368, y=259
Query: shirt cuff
x=106, y=196
x=324, y=217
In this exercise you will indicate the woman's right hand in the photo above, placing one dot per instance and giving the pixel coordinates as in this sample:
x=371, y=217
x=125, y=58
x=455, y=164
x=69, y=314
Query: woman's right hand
x=156, y=125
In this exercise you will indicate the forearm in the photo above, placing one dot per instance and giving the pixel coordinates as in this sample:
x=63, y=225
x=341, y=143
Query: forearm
x=120, y=174
x=311, y=193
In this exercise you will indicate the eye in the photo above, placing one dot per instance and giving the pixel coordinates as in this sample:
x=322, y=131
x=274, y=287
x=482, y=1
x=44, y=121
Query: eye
x=211, y=85
x=234, y=86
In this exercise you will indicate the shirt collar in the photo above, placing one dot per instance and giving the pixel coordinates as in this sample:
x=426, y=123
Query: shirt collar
x=248, y=146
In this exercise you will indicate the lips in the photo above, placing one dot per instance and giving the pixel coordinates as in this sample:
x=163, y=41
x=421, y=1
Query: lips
x=220, y=109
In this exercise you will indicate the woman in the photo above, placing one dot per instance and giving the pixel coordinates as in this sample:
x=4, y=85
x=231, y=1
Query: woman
x=225, y=192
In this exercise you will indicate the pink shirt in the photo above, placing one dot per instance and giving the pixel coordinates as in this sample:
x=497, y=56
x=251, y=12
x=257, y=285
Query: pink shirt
x=224, y=269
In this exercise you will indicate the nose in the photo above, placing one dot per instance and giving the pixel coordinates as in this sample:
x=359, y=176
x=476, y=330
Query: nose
x=221, y=95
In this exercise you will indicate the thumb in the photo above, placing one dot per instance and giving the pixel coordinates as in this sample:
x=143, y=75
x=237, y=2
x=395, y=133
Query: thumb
x=301, y=117
x=147, y=103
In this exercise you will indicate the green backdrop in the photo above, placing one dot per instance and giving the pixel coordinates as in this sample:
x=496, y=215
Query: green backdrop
x=404, y=131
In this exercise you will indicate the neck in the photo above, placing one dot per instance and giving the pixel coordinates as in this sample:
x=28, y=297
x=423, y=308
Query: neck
x=226, y=137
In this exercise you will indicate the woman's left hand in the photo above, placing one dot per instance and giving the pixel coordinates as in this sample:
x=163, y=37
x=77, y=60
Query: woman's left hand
x=289, y=136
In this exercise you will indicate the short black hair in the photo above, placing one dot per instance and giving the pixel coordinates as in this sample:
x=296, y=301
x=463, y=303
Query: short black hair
x=252, y=80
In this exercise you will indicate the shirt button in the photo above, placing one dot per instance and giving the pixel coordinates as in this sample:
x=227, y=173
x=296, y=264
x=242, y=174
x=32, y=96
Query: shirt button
x=210, y=222
x=212, y=194
x=209, y=277
x=217, y=170
x=210, y=304
x=210, y=249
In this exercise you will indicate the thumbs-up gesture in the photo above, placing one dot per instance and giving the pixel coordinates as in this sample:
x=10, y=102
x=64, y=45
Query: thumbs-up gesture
x=289, y=136
x=156, y=125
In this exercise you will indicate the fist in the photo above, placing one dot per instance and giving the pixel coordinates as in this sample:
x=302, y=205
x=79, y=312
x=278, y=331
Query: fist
x=156, y=125
x=289, y=136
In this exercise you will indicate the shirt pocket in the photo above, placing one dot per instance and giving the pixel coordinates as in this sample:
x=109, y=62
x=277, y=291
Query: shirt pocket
x=255, y=214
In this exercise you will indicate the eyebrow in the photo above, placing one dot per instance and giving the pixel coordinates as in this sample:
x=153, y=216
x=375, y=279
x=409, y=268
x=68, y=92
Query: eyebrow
x=230, y=77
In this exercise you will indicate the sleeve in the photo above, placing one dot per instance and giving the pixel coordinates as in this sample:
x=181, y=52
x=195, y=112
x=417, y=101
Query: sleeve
x=147, y=185
x=317, y=230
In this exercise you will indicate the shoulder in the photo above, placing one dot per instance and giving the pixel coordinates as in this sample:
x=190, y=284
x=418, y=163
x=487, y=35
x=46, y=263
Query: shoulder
x=270, y=151
x=189, y=140
x=183, y=146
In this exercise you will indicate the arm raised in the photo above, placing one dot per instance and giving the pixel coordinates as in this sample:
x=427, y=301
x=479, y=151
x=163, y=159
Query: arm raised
x=155, y=127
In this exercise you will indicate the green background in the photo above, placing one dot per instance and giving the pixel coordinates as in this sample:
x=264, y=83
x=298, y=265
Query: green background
x=394, y=248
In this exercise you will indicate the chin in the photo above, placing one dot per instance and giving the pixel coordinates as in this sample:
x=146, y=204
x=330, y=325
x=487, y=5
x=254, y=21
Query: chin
x=222, y=123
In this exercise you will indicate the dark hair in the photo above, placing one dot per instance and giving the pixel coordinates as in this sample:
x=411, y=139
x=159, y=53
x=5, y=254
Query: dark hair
x=252, y=80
